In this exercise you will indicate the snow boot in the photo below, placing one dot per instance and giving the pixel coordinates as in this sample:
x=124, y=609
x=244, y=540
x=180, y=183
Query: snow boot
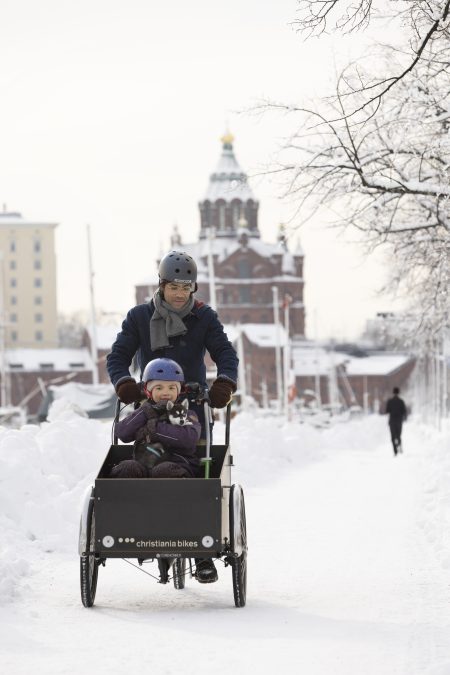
x=206, y=572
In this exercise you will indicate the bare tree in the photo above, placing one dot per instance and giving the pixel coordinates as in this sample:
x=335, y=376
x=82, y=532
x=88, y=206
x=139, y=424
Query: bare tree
x=382, y=163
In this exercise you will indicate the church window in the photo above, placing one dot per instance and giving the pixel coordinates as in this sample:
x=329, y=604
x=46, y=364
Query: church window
x=12, y=246
x=37, y=283
x=222, y=217
x=243, y=267
x=37, y=265
x=236, y=214
x=12, y=264
x=244, y=294
x=38, y=336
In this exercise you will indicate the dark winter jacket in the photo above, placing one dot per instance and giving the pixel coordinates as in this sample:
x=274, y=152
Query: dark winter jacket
x=150, y=423
x=204, y=332
x=396, y=409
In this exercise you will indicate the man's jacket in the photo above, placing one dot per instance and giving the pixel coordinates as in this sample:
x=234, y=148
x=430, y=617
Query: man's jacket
x=396, y=409
x=204, y=332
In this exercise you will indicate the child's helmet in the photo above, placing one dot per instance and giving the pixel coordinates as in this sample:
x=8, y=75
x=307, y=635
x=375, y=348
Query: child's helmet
x=178, y=266
x=163, y=369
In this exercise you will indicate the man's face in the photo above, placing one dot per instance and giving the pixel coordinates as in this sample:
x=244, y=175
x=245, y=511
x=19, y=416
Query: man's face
x=177, y=295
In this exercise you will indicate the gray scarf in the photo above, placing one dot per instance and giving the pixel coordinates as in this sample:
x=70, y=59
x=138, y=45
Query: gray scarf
x=166, y=321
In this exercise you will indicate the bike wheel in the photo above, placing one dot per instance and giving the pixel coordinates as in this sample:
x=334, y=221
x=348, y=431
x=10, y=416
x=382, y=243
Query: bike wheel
x=238, y=535
x=88, y=563
x=179, y=573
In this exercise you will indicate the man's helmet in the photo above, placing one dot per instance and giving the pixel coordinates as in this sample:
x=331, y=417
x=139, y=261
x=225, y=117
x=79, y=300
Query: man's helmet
x=178, y=266
x=163, y=369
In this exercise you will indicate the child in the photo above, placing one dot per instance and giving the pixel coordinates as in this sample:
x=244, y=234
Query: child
x=161, y=450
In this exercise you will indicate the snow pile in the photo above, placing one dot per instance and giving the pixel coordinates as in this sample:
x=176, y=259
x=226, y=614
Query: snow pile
x=43, y=474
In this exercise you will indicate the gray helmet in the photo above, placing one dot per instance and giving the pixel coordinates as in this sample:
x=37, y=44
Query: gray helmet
x=178, y=266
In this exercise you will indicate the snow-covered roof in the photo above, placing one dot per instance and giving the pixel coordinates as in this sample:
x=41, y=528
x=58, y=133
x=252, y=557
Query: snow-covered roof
x=88, y=397
x=7, y=219
x=259, y=334
x=228, y=181
x=20, y=360
x=377, y=364
x=310, y=361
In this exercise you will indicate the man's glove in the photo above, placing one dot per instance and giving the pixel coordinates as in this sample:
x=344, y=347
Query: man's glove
x=221, y=392
x=129, y=391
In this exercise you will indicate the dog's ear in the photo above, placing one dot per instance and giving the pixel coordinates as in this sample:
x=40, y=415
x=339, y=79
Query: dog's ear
x=185, y=404
x=169, y=405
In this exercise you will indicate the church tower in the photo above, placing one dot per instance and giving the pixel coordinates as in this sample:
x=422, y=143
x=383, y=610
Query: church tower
x=229, y=198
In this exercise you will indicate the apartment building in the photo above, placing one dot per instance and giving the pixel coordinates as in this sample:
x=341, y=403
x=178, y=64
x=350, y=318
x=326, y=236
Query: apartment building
x=28, y=313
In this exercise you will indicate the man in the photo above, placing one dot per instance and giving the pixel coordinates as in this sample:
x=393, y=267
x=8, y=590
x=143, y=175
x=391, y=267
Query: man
x=396, y=409
x=175, y=326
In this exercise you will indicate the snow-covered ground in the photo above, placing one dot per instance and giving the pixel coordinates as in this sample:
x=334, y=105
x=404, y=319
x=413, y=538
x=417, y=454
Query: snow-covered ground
x=349, y=559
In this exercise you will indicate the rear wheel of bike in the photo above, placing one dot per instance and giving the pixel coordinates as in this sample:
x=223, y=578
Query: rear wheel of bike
x=238, y=535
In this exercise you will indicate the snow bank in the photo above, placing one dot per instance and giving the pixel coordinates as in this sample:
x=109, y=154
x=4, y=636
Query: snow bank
x=43, y=474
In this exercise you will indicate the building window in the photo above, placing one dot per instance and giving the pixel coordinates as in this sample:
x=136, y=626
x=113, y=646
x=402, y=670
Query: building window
x=37, y=246
x=77, y=365
x=236, y=214
x=221, y=216
x=38, y=318
x=37, y=300
x=12, y=246
x=12, y=265
x=14, y=336
x=13, y=317
x=37, y=282
x=243, y=268
x=13, y=300
x=13, y=282
x=47, y=366
x=38, y=336
x=37, y=265
x=244, y=294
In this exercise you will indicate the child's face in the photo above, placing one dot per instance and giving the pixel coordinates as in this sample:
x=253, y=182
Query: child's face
x=165, y=391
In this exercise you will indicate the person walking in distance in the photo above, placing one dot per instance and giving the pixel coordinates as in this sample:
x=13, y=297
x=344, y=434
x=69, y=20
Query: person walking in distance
x=396, y=409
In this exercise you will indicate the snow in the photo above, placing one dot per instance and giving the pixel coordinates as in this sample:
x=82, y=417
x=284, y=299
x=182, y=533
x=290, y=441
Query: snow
x=349, y=558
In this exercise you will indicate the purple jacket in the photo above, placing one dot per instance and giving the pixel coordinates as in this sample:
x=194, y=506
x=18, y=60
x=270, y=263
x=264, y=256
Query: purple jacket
x=179, y=442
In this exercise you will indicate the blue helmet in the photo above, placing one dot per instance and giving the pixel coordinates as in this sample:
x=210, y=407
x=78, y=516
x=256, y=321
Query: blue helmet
x=163, y=369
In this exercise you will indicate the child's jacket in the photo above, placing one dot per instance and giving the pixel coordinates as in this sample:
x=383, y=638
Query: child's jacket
x=149, y=424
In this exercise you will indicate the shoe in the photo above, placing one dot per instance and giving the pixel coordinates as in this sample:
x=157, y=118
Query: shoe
x=206, y=572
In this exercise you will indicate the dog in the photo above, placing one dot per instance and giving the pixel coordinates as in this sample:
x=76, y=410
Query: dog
x=177, y=413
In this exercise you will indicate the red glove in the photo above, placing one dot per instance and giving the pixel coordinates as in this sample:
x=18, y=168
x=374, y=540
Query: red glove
x=221, y=392
x=129, y=391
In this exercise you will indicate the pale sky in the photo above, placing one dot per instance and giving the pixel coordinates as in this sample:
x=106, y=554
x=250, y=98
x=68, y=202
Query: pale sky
x=111, y=115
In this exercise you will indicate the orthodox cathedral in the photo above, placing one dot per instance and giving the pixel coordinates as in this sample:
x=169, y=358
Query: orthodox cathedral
x=240, y=275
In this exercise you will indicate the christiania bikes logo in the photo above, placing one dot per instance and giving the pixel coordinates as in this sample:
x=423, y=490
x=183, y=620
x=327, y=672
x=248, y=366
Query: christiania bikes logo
x=191, y=544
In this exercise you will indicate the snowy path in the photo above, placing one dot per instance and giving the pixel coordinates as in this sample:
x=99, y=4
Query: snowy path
x=343, y=580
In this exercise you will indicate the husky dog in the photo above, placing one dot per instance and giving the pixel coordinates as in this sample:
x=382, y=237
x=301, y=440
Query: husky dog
x=177, y=413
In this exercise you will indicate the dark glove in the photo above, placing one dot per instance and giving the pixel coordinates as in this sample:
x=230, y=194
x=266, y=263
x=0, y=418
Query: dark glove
x=221, y=392
x=129, y=391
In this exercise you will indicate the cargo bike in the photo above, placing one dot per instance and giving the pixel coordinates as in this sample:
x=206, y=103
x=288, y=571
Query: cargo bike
x=172, y=521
